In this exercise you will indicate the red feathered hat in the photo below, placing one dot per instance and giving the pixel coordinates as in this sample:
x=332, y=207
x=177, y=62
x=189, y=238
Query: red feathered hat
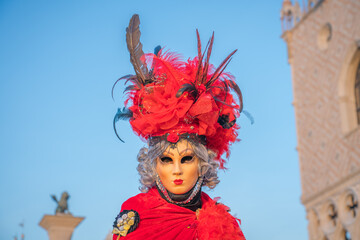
x=171, y=98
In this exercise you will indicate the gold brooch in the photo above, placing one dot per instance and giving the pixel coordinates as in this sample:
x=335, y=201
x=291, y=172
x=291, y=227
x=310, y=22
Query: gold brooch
x=125, y=223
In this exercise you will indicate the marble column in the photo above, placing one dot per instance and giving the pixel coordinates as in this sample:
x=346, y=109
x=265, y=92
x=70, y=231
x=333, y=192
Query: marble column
x=60, y=226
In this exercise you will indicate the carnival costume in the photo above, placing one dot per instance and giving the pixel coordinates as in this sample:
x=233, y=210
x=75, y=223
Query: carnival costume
x=171, y=99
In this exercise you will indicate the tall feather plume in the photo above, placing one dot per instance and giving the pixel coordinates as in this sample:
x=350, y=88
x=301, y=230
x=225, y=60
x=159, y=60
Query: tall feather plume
x=199, y=72
x=135, y=48
x=202, y=71
x=228, y=82
x=207, y=59
x=221, y=68
x=198, y=44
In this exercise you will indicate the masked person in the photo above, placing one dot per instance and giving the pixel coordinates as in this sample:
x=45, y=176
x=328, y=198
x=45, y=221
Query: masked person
x=186, y=112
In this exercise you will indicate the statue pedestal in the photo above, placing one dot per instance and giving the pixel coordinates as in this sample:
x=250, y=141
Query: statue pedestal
x=60, y=226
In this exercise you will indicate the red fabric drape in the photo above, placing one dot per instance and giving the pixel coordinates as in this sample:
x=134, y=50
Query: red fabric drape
x=164, y=221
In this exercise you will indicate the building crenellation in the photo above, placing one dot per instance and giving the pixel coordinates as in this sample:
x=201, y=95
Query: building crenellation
x=323, y=44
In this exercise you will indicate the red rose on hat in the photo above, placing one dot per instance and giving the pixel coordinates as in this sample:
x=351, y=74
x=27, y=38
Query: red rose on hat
x=173, y=138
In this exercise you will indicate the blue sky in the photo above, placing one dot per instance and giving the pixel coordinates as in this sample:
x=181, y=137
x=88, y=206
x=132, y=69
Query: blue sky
x=58, y=62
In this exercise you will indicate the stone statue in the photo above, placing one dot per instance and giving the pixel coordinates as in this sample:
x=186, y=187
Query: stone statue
x=62, y=206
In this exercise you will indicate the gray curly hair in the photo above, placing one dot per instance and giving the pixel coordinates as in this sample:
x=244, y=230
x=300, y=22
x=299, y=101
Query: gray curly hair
x=208, y=167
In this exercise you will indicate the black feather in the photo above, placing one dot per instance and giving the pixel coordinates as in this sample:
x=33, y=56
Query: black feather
x=134, y=80
x=157, y=50
x=249, y=116
x=237, y=90
x=187, y=87
x=123, y=77
x=123, y=114
x=129, y=88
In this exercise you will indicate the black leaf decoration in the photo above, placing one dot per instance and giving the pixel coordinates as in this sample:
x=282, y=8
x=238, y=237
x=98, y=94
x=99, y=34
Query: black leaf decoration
x=223, y=120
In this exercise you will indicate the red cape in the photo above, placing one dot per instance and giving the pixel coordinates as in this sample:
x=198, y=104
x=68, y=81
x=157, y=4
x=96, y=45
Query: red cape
x=162, y=220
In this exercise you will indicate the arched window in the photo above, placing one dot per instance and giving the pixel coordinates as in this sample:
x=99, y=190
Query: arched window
x=349, y=90
x=357, y=93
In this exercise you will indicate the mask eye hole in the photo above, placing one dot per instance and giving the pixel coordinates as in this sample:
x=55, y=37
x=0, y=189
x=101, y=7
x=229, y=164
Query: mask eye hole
x=166, y=160
x=187, y=159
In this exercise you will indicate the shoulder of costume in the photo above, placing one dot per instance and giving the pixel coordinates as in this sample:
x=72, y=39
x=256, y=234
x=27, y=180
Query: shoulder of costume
x=143, y=201
x=129, y=217
x=134, y=202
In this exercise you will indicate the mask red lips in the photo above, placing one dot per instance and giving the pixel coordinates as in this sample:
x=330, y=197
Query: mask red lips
x=178, y=181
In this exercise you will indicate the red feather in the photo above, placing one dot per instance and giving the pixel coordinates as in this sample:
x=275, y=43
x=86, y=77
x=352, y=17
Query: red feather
x=215, y=222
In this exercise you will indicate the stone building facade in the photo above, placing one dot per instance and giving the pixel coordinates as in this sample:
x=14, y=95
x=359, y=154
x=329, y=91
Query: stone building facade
x=323, y=43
